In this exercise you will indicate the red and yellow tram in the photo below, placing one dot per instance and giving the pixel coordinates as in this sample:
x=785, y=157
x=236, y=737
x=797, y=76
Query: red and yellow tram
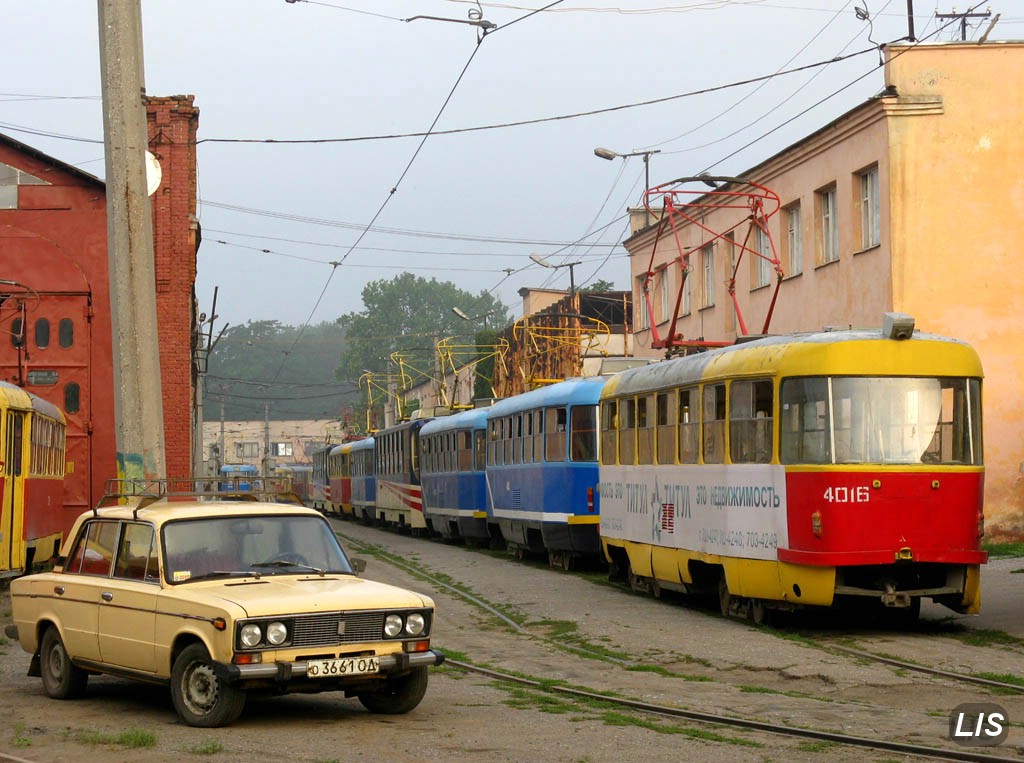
x=804, y=470
x=32, y=517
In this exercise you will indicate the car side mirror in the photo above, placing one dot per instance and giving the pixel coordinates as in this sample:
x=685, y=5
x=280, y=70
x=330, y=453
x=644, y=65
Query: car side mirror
x=359, y=564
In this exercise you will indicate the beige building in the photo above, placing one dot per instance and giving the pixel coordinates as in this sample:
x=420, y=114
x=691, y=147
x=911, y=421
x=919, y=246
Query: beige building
x=279, y=442
x=911, y=202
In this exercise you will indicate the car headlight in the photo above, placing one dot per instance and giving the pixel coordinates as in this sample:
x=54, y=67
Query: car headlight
x=277, y=633
x=414, y=624
x=250, y=635
x=393, y=625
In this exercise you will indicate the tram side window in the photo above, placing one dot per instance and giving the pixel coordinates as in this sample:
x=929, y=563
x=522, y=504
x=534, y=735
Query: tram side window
x=538, y=435
x=803, y=421
x=957, y=437
x=465, y=440
x=665, y=423
x=517, y=438
x=479, y=449
x=583, y=442
x=689, y=425
x=609, y=430
x=627, y=430
x=492, y=442
x=413, y=449
x=528, y=437
x=644, y=430
x=713, y=418
x=555, y=443
x=750, y=422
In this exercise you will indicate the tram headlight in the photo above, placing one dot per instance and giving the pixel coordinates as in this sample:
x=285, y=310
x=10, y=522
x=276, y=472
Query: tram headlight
x=250, y=635
x=393, y=625
x=415, y=624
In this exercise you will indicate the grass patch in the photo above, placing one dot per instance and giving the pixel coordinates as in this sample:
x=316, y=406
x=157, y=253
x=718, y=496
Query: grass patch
x=986, y=637
x=625, y=719
x=209, y=747
x=658, y=670
x=132, y=738
x=816, y=746
x=19, y=740
x=1004, y=550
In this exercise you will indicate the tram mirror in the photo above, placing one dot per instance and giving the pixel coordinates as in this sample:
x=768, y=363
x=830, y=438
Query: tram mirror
x=898, y=325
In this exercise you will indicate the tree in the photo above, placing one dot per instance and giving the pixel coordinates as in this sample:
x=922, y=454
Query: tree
x=285, y=372
x=598, y=286
x=408, y=315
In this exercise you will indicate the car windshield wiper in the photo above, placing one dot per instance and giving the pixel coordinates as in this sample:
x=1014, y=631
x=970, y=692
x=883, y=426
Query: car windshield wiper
x=284, y=563
x=219, y=574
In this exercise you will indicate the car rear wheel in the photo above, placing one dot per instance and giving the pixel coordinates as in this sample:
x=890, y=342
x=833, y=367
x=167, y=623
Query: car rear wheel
x=200, y=696
x=402, y=694
x=61, y=678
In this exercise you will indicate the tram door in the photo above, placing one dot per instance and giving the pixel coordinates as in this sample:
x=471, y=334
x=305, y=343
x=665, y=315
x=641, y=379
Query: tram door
x=12, y=550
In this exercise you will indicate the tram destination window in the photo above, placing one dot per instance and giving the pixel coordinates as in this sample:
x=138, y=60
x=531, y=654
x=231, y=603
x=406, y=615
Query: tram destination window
x=880, y=420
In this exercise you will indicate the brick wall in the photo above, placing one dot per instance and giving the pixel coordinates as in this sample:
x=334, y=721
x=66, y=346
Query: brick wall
x=173, y=122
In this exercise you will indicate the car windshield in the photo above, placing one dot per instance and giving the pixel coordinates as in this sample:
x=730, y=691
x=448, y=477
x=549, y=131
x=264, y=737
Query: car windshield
x=256, y=545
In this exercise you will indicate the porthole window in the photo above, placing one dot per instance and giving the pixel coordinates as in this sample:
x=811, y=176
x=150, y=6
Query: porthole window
x=71, y=397
x=18, y=332
x=42, y=333
x=66, y=332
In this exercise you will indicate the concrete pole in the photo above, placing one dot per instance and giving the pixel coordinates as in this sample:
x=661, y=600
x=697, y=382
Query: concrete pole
x=138, y=395
x=221, y=455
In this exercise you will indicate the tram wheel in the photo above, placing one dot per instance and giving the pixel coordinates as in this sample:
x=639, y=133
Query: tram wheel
x=724, y=597
x=636, y=583
x=759, y=613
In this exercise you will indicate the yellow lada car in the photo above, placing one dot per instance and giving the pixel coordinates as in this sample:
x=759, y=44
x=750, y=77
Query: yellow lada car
x=219, y=600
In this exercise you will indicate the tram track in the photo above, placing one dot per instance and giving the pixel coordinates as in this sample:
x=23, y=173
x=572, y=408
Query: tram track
x=667, y=711
x=925, y=751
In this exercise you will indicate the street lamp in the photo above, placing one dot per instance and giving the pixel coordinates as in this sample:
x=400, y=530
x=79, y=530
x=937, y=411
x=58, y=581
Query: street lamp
x=607, y=153
x=545, y=264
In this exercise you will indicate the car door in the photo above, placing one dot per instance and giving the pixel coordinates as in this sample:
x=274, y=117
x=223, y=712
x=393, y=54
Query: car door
x=127, y=603
x=77, y=592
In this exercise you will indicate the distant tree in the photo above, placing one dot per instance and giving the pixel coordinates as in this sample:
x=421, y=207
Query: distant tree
x=408, y=315
x=286, y=372
x=599, y=285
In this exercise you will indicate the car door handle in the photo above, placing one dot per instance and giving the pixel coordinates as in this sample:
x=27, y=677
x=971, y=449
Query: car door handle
x=107, y=596
x=59, y=590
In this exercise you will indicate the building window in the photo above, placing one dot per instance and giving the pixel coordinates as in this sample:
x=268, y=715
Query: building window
x=282, y=449
x=10, y=179
x=640, y=313
x=828, y=215
x=247, y=450
x=42, y=333
x=794, y=240
x=763, y=259
x=664, y=296
x=707, y=258
x=870, y=218
x=687, y=287
x=66, y=332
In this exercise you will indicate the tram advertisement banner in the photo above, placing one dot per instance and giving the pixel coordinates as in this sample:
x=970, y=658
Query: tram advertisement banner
x=736, y=510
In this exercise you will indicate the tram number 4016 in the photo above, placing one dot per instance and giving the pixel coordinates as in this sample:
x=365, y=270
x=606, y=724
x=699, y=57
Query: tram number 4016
x=858, y=494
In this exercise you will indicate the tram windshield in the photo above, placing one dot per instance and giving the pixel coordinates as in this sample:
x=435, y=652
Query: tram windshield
x=880, y=420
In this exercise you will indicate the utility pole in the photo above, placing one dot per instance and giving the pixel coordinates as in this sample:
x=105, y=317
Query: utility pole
x=203, y=346
x=138, y=391
x=266, y=438
x=963, y=19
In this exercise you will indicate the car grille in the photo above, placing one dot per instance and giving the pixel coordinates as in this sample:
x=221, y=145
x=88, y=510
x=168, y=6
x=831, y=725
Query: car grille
x=317, y=630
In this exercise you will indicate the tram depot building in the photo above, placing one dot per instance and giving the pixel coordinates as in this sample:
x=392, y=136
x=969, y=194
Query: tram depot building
x=911, y=202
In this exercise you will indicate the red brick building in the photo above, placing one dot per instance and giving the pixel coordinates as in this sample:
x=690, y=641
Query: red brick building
x=55, y=300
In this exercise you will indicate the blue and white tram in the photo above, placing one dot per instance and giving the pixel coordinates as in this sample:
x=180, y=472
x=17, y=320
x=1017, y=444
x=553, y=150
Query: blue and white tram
x=363, y=478
x=452, y=451
x=542, y=470
x=319, y=489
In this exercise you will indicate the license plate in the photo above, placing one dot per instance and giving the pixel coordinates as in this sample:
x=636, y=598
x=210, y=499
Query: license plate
x=343, y=666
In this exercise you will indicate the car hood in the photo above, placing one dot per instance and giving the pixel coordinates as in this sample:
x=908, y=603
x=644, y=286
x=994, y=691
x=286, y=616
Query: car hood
x=301, y=594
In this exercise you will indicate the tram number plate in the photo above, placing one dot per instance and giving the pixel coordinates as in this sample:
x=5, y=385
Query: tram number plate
x=343, y=666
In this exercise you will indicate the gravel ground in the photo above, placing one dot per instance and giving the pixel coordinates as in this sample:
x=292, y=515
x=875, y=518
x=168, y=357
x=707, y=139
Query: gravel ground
x=704, y=663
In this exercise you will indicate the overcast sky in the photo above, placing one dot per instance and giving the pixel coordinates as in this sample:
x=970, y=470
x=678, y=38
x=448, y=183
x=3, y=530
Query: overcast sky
x=471, y=205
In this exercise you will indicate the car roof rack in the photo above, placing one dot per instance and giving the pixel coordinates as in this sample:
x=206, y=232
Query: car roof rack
x=145, y=492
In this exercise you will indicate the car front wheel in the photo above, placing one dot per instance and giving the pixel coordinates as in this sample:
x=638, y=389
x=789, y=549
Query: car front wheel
x=200, y=696
x=401, y=694
x=61, y=678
